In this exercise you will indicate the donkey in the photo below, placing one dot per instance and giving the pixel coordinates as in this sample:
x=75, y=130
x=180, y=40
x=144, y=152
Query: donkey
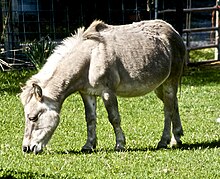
x=107, y=61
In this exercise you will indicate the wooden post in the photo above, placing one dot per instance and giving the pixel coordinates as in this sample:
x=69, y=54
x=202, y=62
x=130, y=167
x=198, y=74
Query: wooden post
x=10, y=34
x=15, y=24
x=123, y=11
x=188, y=26
x=217, y=50
x=6, y=16
x=38, y=18
x=156, y=9
x=179, y=16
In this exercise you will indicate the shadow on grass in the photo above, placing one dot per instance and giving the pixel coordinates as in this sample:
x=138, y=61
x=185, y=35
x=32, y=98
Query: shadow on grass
x=202, y=145
x=12, y=174
x=186, y=146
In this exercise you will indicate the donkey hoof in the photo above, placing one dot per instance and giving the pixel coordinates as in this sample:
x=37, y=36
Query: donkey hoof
x=161, y=146
x=86, y=149
x=174, y=144
x=119, y=148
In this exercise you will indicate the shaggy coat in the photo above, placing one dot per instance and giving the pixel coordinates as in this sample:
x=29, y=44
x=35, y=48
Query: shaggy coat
x=107, y=61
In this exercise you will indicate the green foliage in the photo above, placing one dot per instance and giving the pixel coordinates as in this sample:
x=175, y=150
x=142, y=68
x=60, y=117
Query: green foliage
x=142, y=121
x=39, y=51
x=202, y=55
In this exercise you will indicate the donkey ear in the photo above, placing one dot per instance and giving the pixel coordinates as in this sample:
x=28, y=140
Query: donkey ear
x=22, y=86
x=37, y=92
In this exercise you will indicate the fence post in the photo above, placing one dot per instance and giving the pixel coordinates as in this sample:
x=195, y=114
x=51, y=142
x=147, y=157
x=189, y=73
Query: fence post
x=155, y=9
x=188, y=26
x=15, y=24
x=217, y=32
x=179, y=16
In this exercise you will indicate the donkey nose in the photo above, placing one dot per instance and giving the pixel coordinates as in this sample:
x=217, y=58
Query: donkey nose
x=26, y=149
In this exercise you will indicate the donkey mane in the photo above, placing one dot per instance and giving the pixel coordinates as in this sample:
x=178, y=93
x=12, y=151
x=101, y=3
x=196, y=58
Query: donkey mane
x=67, y=46
x=60, y=52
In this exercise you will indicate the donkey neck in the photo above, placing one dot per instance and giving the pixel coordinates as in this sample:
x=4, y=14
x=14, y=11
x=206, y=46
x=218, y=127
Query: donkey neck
x=61, y=77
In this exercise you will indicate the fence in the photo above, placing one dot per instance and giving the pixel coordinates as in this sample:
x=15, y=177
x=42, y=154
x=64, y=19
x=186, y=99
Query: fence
x=24, y=21
x=188, y=31
x=15, y=61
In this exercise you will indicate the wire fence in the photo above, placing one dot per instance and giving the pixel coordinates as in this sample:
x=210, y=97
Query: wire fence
x=201, y=28
x=24, y=21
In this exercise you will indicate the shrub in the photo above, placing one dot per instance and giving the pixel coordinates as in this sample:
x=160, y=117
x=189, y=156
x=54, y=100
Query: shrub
x=39, y=51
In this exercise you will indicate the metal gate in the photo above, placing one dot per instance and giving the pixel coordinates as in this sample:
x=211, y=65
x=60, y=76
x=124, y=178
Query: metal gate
x=212, y=30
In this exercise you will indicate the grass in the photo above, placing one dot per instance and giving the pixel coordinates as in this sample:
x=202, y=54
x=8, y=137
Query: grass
x=142, y=121
x=202, y=55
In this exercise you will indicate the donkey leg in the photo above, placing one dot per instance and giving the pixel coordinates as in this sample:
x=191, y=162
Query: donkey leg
x=90, y=114
x=111, y=104
x=177, y=126
x=166, y=98
x=167, y=93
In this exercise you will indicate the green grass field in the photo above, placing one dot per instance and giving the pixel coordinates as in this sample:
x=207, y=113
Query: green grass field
x=142, y=121
x=202, y=55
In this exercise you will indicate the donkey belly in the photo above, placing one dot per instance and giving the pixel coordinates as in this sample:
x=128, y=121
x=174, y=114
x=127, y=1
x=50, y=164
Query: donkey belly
x=142, y=83
x=136, y=89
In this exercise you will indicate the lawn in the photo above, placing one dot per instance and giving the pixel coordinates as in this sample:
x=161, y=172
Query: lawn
x=142, y=121
x=202, y=55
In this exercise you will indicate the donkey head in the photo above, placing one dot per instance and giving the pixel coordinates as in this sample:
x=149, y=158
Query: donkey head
x=41, y=119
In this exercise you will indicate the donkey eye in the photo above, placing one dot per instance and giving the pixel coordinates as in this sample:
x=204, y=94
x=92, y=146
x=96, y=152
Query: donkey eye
x=32, y=118
x=36, y=117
